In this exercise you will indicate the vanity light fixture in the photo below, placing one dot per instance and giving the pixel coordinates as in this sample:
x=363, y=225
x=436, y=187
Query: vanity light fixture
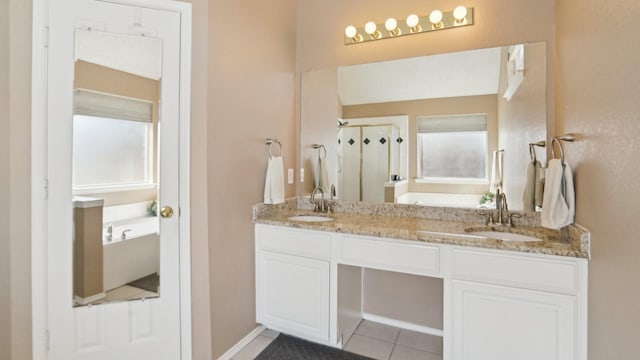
x=413, y=24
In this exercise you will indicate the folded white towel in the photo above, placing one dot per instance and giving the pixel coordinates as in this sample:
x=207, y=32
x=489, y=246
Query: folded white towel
x=558, y=205
x=274, y=181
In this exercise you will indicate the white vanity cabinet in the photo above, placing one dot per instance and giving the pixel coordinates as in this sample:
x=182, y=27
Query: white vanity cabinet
x=292, y=281
x=498, y=305
x=507, y=305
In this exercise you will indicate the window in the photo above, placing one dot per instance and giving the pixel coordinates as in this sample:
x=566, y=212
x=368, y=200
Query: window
x=112, y=144
x=453, y=148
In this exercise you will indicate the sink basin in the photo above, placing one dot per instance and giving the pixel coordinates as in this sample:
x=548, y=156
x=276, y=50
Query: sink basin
x=504, y=236
x=311, y=218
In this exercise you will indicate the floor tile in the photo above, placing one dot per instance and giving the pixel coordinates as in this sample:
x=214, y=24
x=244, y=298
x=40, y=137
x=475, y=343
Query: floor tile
x=366, y=346
x=270, y=333
x=420, y=341
x=406, y=353
x=122, y=293
x=254, y=348
x=378, y=331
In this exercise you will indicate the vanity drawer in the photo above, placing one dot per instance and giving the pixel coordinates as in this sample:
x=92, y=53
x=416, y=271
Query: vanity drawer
x=526, y=271
x=308, y=243
x=392, y=255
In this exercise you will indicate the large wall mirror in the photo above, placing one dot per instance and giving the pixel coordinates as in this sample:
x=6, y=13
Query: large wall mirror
x=441, y=130
x=115, y=167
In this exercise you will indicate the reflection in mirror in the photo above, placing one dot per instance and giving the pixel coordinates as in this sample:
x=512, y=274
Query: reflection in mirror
x=115, y=167
x=471, y=116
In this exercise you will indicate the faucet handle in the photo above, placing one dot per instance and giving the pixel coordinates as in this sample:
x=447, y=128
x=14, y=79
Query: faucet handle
x=488, y=217
x=510, y=219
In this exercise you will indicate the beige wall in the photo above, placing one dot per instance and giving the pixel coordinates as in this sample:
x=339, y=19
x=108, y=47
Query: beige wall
x=483, y=104
x=88, y=257
x=252, y=54
x=597, y=98
x=19, y=176
x=521, y=121
x=411, y=298
x=5, y=259
x=320, y=107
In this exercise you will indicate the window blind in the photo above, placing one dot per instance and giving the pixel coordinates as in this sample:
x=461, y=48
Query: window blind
x=93, y=103
x=455, y=123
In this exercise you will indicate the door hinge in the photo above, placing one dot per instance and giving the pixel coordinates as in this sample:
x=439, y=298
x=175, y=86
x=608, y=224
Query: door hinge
x=45, y=188
x=45, y=36
x=47, y=340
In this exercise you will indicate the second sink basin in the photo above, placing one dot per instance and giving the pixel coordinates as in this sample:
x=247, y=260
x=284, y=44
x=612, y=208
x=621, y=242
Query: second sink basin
x=504, y=236
x=310, y=218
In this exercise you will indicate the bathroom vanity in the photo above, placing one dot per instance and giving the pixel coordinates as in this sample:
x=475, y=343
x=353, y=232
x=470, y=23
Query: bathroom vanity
x=502, y=299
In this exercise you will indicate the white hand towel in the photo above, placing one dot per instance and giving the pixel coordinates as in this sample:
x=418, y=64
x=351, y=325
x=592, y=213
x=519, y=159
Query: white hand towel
x=496, y=172
x=323, y=178
x=274, y=181
x=558, y=205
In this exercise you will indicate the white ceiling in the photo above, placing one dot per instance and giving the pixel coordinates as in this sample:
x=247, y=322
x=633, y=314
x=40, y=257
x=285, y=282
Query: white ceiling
x=137, y=55
x=466, y=73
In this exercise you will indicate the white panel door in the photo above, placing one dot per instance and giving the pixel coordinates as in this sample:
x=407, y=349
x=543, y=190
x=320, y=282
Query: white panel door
x=502, y=323
x=141, y=329
x=293, y=294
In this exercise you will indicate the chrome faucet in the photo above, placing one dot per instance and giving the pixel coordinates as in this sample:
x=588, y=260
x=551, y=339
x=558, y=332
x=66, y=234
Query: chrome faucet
x=320, y=207
x=503, y=216
x=109, y=234
x=501, y=206
x=123, y=236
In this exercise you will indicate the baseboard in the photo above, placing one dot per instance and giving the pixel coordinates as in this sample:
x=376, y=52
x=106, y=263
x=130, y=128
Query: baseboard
x=235, y=349
x=402, y=324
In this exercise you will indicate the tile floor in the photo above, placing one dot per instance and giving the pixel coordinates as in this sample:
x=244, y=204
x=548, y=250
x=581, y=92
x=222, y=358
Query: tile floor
x=371, y=339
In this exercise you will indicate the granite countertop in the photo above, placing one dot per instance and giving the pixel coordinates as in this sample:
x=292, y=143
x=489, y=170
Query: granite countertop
x=571, y=241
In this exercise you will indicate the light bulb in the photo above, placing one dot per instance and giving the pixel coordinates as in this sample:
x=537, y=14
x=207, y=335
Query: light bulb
x=370, y=27
x=459, y=13
x=392, y=27
x=435, y=17
x=413, y=20
x=391, y=24
x=350, y=31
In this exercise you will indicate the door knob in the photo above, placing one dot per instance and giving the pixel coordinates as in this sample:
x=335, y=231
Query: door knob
x=166, y=212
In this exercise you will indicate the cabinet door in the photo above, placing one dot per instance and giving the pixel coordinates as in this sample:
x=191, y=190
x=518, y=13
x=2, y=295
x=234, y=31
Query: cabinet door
x=496, y=322
x=293, y=295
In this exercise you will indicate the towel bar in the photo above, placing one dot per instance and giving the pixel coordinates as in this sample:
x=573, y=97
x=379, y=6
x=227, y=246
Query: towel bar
x=320, y=147
x=558, y=140
x=532, y=151
x=270, y=142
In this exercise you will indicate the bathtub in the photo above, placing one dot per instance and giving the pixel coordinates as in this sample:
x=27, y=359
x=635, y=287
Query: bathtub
x=137, y=256
x=440, y=199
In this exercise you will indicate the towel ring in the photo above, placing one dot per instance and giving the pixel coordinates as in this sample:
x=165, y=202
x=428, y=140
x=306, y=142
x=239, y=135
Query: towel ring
x=558, y=140
x=532, y=150
x=270, y=142
x=320, y=149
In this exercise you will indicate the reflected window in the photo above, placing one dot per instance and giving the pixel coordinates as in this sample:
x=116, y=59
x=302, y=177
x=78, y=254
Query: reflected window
x=453, y=148
x=110, y=152
x=113, y=143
